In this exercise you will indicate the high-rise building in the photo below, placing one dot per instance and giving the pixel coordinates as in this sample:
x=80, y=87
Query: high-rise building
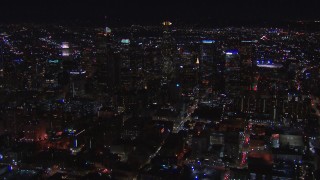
x=66, y=55
x=168, y=51
x=210, y=65
x=108, y=64
x=2, y=39
x=232, y=72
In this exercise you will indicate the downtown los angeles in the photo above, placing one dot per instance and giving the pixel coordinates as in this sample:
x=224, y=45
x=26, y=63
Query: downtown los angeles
x=160, y=91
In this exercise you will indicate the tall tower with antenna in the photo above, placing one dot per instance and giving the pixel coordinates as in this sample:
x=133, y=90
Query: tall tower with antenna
x=168, y=52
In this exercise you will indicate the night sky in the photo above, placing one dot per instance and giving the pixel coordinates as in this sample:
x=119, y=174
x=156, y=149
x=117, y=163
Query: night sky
x=137, y=11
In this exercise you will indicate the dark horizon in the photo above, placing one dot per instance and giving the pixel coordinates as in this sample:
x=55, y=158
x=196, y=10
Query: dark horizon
x=122, y=12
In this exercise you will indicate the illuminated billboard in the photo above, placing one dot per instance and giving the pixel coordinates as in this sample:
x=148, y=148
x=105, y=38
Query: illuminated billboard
x=66, y=52
x=78, y=72
x=208, y=41
x=53, y=61
x=232, y=52
x=125, y=41
x=253, y=41
x=65, y=45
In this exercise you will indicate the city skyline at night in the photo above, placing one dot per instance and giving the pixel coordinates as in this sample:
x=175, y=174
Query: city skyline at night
x=160, y=90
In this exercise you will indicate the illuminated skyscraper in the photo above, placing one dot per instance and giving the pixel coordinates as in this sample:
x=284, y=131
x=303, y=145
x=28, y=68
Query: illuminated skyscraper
x=232, y=72
x=2, y=43
x=210, y=65
x=66, y=55
x=1, y=59
x=168, y=52
x=108, y=65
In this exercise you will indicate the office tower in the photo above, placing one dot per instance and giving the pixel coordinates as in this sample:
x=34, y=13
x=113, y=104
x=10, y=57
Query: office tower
x=210, y=66
x=232, y=72
x=168, y=51
x=66, y=55
x=108, y=65
x=2, y=44
x=1, y=57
